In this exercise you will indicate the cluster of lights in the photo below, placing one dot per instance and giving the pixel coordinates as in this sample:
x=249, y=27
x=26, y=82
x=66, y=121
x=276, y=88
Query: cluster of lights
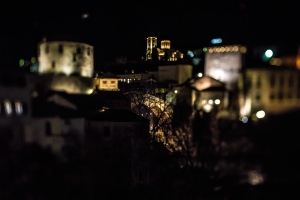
x=227, y=49
x=260, y=114
x=208, y=105
x=190, y=53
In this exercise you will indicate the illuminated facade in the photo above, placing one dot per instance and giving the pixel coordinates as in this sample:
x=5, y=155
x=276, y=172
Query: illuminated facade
x=108, y=82
x=165, y=44
x=68, y=58
x=224, y=64
x=271, y=90
x=151, y=43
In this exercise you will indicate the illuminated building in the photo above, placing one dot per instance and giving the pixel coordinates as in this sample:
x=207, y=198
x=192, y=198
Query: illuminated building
x=151, y=43
x=60, y=57
x=108, y=82
x=165, y=44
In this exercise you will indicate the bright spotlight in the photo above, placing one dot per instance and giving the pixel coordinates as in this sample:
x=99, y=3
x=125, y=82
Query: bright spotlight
x=200, y=74
x=217, y=101
x=175, y=91
x=245, y=119
x=207, y=108
x=260, y=114
x=269, y=53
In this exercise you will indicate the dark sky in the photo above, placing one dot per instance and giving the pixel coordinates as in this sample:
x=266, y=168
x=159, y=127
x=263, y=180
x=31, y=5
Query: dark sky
x=115, y=28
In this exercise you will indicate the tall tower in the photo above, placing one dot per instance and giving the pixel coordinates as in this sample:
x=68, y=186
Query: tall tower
x=165, y=44
x=151, y=43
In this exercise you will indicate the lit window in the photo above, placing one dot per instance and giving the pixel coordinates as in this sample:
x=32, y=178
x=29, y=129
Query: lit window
x=18, y=108
x=7, y=107
x=113, y=83
x=104, y=83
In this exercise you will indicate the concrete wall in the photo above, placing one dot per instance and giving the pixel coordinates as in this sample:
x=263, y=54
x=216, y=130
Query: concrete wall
x=176, y=73
x=66, y=58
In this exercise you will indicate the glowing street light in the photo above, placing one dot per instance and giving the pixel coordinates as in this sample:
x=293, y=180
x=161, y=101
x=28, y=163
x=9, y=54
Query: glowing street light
x=175, y=91
x=200, y=74
x=207, y=108
x=260, y=114
x=217, y=101
x=269, y=53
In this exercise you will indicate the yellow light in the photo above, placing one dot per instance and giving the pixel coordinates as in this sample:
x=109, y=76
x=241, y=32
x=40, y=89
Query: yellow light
x=210, y=50
x=210, y=101
x=175, y=91
x=235, y=48
x=204, y=101
x=273, y=61
x=243, y=49
x=260, y=114
x=217, y=49
x=222, y=49
x=231, y=48
x=227, y=49
x=90, y=91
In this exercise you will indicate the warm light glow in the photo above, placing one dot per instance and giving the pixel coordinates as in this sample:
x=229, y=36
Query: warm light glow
x=204, y=102
x=217, y=101
x=217, y=49
x=269, y=53
x=90, y=91
x=245, y=119
x=207, y=108
x=222, y=49
x=210, y=101
x=200, y=74
x=260, y=114
x=235, y=48
x=7, y=107
x=210, y=50
x=175, y=91
x=243, y=49
x=227, y=49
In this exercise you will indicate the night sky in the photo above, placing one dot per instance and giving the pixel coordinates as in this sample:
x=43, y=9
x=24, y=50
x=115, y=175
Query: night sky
x=121, y=29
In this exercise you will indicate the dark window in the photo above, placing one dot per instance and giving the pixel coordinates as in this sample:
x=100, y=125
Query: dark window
x=272, y=96
x=60, y=48
x=257, y=97
x=88, y=51
x=53, y=64
x=298, y=95
x=290, y=95
x=48, y=128
x=272, y=80
x=106, y=131
x=47, y=49
x=78, y=50
x=280, y=95
x=258, y=83
x=74, y=57
x=291, y=81
x=281, y=81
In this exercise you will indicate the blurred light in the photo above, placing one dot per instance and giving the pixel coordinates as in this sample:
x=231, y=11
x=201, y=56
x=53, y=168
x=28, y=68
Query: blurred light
x=260, y=114
x=227, y=49
x=255, y=178
x=90, y=91
x=243, y=49
x=216, y=41
x=210, y=101
x=217, y=101
x=39, y=59
x=235, y=48
x=22, y=62
x=207, y=108
x=222, y=49
x=33, y=60
x=204, y=49
x=269, y=53
x=18, y=107
x=204, y=101
x=31, y=68
x=200, y=74
x=245, y=119
x=211, y=50
x=217, y=49
x=85, y=15
x=175, y=91
x=7, y=107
